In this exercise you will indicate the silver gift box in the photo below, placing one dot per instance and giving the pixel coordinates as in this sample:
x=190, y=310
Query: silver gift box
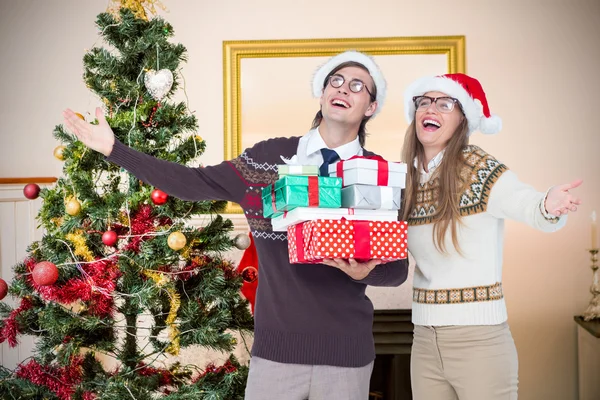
x=369, y=197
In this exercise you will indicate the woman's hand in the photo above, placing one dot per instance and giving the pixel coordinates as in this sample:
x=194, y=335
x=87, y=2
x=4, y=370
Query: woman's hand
x=97, y=137
x=560, y=201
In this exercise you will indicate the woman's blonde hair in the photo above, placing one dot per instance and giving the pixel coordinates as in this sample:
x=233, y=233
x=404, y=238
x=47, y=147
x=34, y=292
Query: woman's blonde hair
x=451, y=184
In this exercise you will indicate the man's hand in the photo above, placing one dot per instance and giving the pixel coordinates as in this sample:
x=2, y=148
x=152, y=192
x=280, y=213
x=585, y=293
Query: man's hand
x=352, y=268
x=97, y=137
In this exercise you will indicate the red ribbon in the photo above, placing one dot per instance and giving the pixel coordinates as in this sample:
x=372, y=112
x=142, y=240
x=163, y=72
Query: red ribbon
x=273, y=203
x=298, y=228
x=383, y=173
x=362, y=239
x=313, y=191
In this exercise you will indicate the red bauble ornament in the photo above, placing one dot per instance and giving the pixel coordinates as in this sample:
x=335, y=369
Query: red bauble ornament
x=159, y=197
x=249, y=274
x=3, y=289
x=44, y=273
x=109, y=238
x=31, y=191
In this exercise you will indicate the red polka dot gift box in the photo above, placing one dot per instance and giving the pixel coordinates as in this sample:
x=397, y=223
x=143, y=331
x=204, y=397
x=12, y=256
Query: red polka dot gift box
x=313, y=241
x=301, y=214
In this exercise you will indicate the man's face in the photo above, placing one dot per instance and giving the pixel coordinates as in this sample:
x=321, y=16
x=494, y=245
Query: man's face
x=342, y=104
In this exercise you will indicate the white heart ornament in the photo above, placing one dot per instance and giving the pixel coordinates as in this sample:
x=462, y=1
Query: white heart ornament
x=158, y=83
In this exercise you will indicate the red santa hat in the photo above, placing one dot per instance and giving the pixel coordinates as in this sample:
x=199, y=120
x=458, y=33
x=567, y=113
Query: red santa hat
x=318, y=82
x=467, y=90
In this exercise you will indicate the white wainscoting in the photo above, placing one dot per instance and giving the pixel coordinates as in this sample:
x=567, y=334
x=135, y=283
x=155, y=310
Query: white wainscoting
x=18, y=229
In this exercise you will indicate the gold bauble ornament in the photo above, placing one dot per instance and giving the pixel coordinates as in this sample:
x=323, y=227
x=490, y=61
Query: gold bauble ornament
x=176, y=241
x=59, y=152
x=72, y=206
x=199, y=138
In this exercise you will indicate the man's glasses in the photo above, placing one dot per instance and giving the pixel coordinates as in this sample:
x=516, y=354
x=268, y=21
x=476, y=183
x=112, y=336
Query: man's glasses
x=355, y=85
x=443, y=104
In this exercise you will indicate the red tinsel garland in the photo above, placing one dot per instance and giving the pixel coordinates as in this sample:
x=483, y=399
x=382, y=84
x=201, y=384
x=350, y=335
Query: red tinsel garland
x=193, y=268
x=11, y=329
x=143, y=221
x=63, y=381
x=95, y=287
x=226, y=368
x=166, y=377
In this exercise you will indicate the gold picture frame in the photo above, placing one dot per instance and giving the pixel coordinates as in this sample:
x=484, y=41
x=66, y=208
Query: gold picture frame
x=452, y=47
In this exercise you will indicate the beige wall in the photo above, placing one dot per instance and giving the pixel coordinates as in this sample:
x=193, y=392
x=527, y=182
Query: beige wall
x=538, y=61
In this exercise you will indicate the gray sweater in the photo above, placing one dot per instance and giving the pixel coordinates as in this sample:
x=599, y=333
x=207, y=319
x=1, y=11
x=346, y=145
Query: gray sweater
x=304, y=313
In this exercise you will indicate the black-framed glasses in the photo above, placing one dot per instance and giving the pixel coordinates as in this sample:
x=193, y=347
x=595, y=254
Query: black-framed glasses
x=355, y=85
x=443, y=104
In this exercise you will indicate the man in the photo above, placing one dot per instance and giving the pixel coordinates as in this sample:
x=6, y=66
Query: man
x=313, y=323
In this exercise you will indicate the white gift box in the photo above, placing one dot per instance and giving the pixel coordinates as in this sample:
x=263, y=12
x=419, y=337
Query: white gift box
x=370, y=172
x=301, y=214
x=305, y=170
x=369, y=197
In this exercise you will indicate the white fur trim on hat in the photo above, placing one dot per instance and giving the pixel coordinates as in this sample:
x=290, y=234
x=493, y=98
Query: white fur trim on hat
x=472, y=108
x=361, y=58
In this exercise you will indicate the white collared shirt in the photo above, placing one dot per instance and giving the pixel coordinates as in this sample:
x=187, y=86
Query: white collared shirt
x=431, y=166
x=310, y=145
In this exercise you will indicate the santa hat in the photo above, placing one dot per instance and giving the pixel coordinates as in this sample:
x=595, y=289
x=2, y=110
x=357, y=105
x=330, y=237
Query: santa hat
x=466, y=90
x=318, y=82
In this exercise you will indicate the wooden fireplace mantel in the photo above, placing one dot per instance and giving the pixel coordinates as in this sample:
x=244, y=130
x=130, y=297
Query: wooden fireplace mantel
x=38, y=179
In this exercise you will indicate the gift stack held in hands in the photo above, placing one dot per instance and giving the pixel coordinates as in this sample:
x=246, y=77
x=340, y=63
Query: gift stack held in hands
x=352, y=213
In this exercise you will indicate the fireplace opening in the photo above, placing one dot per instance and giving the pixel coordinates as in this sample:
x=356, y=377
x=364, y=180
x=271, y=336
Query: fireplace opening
x=393, y=333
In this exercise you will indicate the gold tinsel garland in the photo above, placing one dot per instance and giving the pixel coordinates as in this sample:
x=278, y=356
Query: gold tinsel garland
x=175, y=302
x=174, y=332
x=140, y=8
x=81, y=248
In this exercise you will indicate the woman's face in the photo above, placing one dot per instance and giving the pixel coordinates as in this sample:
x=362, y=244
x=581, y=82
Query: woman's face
x=434, y=127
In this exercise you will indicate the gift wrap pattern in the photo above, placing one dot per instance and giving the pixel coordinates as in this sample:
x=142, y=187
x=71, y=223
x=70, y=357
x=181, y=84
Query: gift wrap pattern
x=293, y=191
x=313, y=241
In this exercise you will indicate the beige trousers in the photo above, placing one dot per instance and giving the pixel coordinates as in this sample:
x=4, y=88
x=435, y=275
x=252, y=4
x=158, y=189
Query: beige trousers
x=464, y=363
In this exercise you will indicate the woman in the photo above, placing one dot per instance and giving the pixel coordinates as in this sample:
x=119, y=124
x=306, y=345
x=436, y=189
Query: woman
x=457, y=197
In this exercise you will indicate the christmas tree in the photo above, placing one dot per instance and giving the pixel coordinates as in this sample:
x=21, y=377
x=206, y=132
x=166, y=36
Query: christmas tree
x=116, y=249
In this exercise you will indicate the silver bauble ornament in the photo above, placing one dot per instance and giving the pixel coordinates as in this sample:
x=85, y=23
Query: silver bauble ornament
x=158, y=83
x=242, y=241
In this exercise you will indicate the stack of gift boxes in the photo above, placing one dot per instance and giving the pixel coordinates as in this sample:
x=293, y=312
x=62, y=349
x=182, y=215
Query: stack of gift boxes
x=352, y=213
